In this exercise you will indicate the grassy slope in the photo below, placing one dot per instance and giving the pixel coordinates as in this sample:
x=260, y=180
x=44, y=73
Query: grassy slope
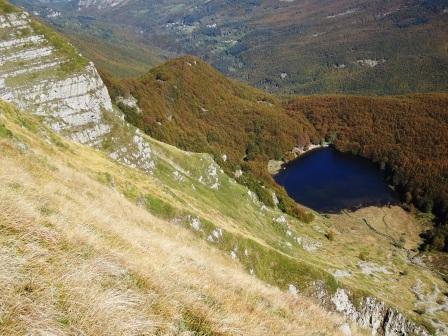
x=76, y=256
x=72, y=197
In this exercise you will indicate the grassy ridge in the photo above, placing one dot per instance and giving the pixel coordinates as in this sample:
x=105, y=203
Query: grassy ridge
x=6, y=7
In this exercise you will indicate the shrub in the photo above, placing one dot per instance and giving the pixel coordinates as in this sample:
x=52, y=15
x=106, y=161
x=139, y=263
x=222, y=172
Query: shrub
x=363, y=255
x=330, y=235
x=4, y=132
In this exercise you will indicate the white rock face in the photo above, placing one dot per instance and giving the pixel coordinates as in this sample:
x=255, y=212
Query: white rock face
x=280, y=219
x=233, y=255
x=293, y=290
x=370, y=268
x=26, y=55
x=238, y=173
x=308, y=244
x=31, y=78
x=195, y=223
x=345, y=330
x=375, y=315
x=73, y=104
x=134, y=153
x=5, y=45
x=215, y=236
x=211, y=177
x=35, y=76
x=130, y=102
x=341, y=273
x=99, y=4
x=14, y=20
x=370, y=62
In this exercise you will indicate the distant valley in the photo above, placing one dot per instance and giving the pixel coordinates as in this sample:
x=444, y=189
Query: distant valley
x=289, y=47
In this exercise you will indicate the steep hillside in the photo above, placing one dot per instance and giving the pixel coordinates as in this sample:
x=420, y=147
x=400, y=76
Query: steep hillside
x=129, y=235
x=75, y=221
x=301, y=47
x=78, y=256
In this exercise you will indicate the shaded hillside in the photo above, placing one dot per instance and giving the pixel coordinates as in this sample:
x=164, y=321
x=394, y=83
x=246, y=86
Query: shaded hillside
x=406, y=136
x=187, y=103
x=297, y=47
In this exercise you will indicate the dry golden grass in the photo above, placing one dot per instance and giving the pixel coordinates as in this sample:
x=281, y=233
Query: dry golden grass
x=78, y=258
x=393, y=222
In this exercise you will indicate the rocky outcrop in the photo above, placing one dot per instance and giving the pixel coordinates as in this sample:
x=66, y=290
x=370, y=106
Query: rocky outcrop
x=99, y=4
x=375, y=315
x=71, y=102
x=38, y=76
x=135, y=152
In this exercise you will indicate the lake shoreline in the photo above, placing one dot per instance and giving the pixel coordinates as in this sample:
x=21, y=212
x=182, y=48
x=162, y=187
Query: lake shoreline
x=329, y=181
x=275, y=166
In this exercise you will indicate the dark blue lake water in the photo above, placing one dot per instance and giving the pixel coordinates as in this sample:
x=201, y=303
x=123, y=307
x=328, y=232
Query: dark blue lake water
x=329, y=181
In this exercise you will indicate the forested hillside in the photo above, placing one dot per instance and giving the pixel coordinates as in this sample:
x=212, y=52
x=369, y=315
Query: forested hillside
x=406, y=136
x=187, y=103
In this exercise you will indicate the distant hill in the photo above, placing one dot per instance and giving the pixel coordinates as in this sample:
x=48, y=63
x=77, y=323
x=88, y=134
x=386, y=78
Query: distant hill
x=294, y=47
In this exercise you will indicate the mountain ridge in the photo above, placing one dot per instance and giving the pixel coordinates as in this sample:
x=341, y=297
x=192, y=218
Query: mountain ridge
x=99, y=227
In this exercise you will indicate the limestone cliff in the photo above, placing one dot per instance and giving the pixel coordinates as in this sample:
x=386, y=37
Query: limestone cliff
x=37, y=75
x=42, y=73
x=376, y=315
